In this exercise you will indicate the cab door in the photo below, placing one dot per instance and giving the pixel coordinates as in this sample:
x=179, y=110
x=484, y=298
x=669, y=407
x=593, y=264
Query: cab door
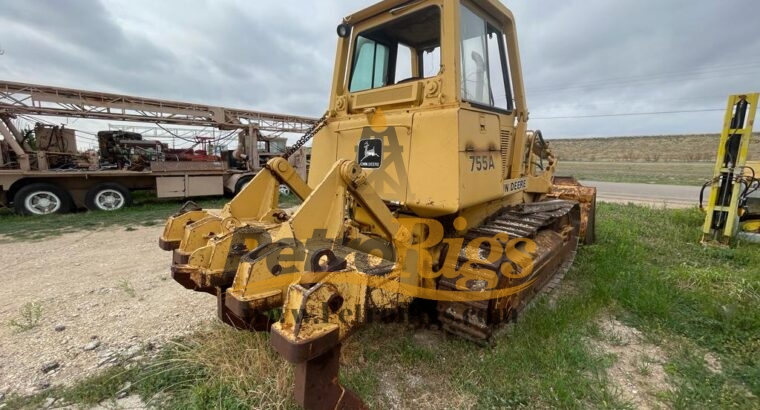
x=486, y=121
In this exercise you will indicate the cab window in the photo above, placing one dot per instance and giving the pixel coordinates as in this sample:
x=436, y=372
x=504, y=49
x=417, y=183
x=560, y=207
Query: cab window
x=371, y=65
x=405, y=49
x=484, y=69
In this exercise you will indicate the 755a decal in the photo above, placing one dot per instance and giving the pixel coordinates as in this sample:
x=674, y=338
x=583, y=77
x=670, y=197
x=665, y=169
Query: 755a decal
x=481, y=163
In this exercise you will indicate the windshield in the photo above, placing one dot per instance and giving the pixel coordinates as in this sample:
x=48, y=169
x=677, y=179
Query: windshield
x=405, y=49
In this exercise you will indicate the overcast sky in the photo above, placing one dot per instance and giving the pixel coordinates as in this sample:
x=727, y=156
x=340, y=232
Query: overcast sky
x=580, y=58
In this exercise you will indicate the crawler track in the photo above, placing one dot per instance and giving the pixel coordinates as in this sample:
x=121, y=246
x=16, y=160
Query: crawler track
x=553, y=226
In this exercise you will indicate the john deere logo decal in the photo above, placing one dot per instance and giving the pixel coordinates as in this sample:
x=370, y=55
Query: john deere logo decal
x=370, y=153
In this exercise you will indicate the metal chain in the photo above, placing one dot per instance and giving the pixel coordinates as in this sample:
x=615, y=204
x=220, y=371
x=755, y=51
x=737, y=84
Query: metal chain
x=306, y=137
x=301, y=142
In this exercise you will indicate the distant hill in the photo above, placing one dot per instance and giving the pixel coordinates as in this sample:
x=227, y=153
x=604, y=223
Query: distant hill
x=659, y=148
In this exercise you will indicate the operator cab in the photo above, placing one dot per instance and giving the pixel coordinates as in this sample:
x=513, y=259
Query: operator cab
x=427, y=99
x=396, y=45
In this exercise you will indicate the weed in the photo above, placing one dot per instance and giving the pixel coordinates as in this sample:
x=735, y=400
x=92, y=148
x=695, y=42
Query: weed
x=216, y=368
x=643, y=368
x=616, y=339
x=29, y=317
x=127, y=288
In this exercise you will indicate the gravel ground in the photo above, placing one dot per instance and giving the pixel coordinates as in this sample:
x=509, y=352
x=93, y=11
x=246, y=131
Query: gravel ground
x=102, y=295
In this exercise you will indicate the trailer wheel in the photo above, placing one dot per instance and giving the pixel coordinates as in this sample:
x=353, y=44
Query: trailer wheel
x=42, y=199
x=108, y=196
x=242, y=182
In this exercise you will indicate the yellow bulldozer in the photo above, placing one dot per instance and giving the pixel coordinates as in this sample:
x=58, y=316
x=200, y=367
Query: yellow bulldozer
x=425, y=184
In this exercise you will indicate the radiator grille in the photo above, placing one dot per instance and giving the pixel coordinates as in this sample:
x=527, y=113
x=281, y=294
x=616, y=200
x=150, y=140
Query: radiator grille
x=506, y=142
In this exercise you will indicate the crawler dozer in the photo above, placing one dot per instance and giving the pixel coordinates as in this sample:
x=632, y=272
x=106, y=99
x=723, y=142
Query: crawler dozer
x=425, y=184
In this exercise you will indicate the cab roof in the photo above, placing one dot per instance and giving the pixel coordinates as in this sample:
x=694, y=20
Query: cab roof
x=493, y=7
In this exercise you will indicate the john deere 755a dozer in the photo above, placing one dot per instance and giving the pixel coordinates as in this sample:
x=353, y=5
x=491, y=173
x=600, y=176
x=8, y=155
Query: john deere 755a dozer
x=425, y=184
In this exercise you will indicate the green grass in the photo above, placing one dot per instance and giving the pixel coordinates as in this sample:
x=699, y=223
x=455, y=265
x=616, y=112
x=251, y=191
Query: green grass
x=146, y=211
x=219, y=368
x=668, y=173
x=647, y=270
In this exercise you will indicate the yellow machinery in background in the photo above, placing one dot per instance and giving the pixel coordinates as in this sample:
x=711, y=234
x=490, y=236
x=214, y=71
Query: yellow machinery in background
x=425, y=185
x=730, y=205
x=750, y=217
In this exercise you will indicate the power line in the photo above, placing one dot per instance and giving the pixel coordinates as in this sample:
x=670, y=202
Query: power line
x=632, y=101
x=626, y=114
x=173, y=134
x=36, y=120
x=226, y=138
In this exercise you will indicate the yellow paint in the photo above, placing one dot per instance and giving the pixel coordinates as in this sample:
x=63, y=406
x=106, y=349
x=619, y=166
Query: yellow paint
x=446, y=165
x=725, y=235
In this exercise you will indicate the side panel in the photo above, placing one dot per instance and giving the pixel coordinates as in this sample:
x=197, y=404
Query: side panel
x=444, y=161
x=391, y=179
x=205, y=186
x=434, y=170
x=480, y=163
x=187, y=186
x=386, y=164
x=170, y=187
x=180, y=166
x=323, y=153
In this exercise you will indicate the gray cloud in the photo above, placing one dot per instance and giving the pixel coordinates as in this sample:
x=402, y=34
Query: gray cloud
x=579, y=58
x=80, y=42
x=599, y=57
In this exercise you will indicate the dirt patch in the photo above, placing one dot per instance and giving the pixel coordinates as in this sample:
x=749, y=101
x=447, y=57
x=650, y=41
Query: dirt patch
x=712, y=363
x=404, y=390
x=98, y=297
x=125, y=403
x=637, y=372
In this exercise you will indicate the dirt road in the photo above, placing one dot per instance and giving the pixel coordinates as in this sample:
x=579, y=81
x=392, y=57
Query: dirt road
x=672, y=196
x=101, y=296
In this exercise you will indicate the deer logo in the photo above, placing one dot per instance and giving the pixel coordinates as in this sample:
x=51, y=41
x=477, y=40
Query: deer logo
x=369, y=152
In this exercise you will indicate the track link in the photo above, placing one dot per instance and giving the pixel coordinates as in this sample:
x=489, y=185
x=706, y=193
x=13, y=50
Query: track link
x=551, y=224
